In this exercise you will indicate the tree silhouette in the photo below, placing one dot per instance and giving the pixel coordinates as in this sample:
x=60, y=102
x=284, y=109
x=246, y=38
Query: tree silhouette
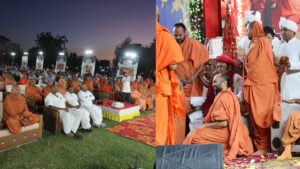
x=120, y=49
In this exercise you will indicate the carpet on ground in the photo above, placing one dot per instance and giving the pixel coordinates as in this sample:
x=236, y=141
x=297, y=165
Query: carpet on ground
x=141, y=129
x=264, y=161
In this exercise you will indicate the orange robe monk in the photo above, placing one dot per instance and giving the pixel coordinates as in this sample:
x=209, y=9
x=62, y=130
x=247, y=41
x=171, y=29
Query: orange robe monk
x=76, y=84
x=168, y=95
x=62, y=86
x=34, y=92
x=24, y=80
x=89, y=84
x=46, y=91
x=140, y=100
x=9, y=79
x=260, y=88
x=195, y=54
x=15, y=109
x=235, y=137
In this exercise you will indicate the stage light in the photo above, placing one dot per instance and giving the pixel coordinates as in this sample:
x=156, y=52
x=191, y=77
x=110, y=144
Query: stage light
x=13, y=53
x=25, y=53
x=41, y=52
x=88, y=52
x=61, y=53
x=131, y=55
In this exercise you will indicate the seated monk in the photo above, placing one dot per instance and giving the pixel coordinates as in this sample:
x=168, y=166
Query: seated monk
x=33, y=92
x=139, y=98
x=223, y=123
x=62, y=85
x=89, y=83
x=107, y=88
x=9, y=79
x=144, y=89
x=16, y=112
x=24, y=80
x=291, y=132
x=75, y=83
x=47, y=89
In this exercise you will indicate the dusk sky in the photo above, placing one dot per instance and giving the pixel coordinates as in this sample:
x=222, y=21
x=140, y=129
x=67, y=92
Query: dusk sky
x=95, y=24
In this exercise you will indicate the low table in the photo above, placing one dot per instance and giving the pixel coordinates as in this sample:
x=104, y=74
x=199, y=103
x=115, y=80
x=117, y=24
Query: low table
x=129, y=111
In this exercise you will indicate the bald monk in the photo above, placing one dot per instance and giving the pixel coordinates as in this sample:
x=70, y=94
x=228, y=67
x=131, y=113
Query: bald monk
x=168, y=55
x=34, y=92
x=75, y=83
x=195, y=55
x=260, y=87
x=291, y=132
x=223, y=123
x=47, y=89
x=16, y=112
x=24, y=80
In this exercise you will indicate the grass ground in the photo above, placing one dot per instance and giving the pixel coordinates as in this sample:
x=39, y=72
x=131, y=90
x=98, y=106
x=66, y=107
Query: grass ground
x=100, y=149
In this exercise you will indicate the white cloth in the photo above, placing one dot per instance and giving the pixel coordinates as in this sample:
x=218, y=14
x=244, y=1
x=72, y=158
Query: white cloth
x=244, y=43
x=250, y=18
x=275, y=45
x=238, y=84
x=291, y=82
x=196, y=120
x=85, y=115
x=291, y=25
x=126, y=84
x=86, y=99
x=71, y=119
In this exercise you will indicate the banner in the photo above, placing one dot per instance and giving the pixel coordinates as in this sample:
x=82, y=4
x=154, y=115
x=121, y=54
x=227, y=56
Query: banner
x=39, y=63
x=88, y=65
x=129, y=66
x=24, y=62
x=61, y=62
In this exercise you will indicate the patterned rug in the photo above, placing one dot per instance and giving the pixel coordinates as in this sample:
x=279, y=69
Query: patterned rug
x=141, y=129
x=264, y=161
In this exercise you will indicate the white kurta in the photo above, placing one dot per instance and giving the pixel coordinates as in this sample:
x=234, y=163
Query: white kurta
x=291, y=82
x=86, y=99
x=244, y=43
x=71, y=119
x=85, y=115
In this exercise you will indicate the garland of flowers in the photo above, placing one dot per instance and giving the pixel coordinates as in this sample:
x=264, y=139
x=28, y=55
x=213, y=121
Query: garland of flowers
x=197, y=20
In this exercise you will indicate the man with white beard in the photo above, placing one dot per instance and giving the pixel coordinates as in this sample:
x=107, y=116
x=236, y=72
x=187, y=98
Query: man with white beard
x=86, y=99
x=73, y=102
x=70, y=117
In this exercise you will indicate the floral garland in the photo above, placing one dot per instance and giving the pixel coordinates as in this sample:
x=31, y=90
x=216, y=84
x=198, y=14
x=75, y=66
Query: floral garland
x=197, y=20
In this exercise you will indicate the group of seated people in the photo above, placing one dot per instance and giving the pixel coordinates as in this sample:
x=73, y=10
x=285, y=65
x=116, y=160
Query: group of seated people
x=72, y=98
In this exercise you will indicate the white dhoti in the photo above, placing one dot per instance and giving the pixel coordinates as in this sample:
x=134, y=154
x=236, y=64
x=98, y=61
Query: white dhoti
x=196, y=119
x=85, y=118
x=71, y=120
x=95, y=113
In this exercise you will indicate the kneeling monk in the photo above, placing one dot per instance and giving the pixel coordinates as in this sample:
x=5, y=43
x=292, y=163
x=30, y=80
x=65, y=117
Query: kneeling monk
x=16, y=112
x=223, y=123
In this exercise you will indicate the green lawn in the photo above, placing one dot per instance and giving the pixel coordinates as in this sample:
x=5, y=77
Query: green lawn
x=100, y=149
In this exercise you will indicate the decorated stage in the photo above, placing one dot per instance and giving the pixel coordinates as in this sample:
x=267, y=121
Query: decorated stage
x=129, y=111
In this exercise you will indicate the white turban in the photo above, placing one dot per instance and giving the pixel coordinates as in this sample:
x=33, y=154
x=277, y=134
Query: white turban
x=250, y=18
x=288, y=24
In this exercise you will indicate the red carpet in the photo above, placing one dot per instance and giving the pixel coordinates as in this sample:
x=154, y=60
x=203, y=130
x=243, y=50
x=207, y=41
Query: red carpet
x=141, y=129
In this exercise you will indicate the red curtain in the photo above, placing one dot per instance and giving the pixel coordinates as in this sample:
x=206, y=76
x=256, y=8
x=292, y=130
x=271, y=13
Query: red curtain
x=212, y=18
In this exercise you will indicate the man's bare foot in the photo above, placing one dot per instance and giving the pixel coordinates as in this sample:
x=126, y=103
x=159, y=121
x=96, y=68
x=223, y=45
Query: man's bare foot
x=259, y=152
x=287, y=154
x=69, y=135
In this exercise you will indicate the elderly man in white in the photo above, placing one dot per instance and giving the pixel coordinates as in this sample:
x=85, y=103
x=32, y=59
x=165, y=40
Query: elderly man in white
x=70, y=117
x=86, y=99
x=73, y=102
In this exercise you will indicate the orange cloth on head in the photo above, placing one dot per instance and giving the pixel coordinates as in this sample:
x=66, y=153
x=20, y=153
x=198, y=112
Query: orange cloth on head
x=15, y=109
x=89, y=84
x=260, y=87
x=23, y=81
x=167, y=89
x=195, y=54
x=291, y=131
x=46, y=91
x=34, y=92
x=235, y=137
